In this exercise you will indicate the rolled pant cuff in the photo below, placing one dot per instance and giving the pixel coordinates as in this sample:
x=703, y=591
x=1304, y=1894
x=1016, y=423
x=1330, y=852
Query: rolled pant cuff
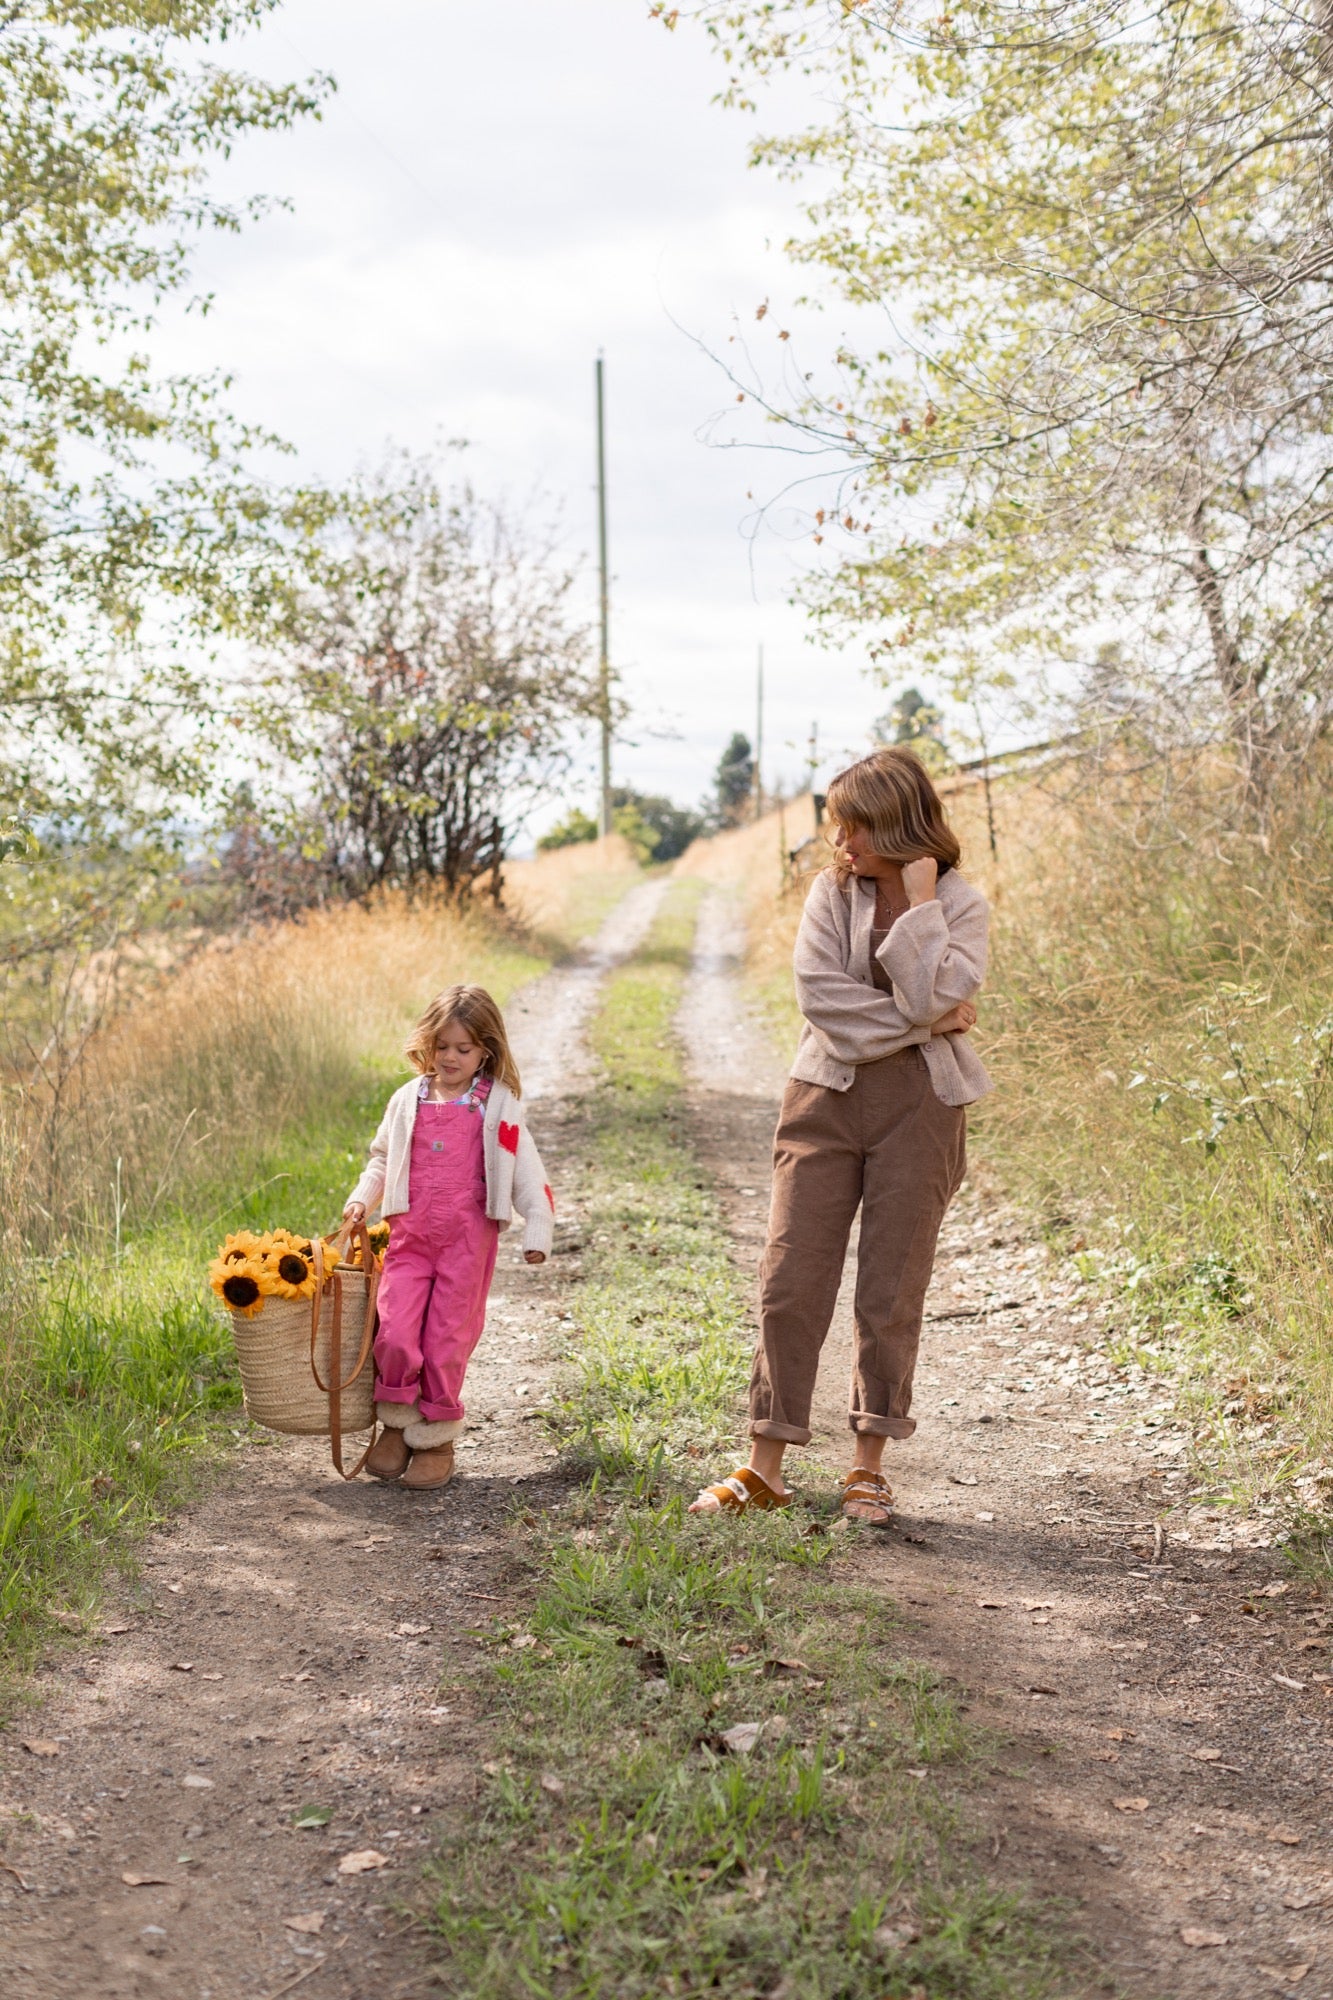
x=883, y=1427
x=396, y=1407
x=764, y=1427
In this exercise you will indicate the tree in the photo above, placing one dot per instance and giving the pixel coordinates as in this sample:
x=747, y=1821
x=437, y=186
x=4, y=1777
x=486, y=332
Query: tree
x=573, y=830
x=1096, y=239
x=133, y=531
x=733, y=783
x=912, y=719
x=427, y=693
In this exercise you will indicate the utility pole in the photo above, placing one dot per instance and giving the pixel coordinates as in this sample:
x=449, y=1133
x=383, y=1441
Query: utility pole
x=759, y=738
x=604, y=660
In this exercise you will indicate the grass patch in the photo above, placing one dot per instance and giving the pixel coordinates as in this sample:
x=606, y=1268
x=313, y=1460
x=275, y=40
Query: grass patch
x=626, y=1842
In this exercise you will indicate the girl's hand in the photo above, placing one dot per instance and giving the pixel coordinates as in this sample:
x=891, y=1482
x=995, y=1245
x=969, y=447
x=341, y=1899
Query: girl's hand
x=534, y=1256
x=919, y=879
x=355, y=1211
x=959, y=1020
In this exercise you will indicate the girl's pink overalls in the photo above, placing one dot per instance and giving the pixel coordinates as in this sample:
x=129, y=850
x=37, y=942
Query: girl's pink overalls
x=438, y=1266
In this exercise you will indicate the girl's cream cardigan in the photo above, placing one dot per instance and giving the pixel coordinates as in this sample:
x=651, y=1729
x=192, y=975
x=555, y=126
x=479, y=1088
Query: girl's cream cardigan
x=515, y=1176
x=935, y=955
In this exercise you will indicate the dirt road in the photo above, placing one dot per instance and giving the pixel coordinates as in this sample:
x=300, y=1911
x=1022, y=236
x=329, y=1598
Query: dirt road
x=1161, y=1694
x=282, y=1650
x=1163, y=1691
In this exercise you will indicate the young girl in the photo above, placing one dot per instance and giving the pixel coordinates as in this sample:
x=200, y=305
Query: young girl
x=450, y=1163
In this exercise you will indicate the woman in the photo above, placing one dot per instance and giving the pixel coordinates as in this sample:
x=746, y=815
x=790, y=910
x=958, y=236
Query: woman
x=889, y=957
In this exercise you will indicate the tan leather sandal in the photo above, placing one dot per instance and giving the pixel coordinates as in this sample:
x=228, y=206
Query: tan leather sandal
x=744, y=1489
x=868, y=1489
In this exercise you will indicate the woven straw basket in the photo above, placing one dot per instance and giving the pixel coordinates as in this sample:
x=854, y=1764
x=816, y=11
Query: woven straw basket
x=306, y=1365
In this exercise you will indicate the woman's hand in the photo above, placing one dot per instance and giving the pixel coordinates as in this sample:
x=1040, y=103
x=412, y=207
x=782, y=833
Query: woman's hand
x=919, y=879
x=959, y=1020
x=355, y=1211
x=534, y=1256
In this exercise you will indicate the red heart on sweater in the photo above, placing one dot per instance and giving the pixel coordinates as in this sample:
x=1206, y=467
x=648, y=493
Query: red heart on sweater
x=509, y=1137
x=550, y=1197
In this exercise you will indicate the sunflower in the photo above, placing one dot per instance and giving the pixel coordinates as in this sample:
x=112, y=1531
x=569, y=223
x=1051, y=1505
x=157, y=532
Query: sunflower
x=240, y=1248
x=241, y=1287
x=289, y=1269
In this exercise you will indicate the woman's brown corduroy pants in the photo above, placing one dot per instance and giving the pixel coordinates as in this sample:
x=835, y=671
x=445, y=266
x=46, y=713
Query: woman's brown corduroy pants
x=889, y=1146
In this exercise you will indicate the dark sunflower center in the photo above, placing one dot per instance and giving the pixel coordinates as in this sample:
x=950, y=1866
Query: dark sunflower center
x=240, y=1290
x=237, y=1256
x=292, y=1269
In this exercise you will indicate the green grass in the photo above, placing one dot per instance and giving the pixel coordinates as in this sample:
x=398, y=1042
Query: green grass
x=620, y=1846
x=119, y=1382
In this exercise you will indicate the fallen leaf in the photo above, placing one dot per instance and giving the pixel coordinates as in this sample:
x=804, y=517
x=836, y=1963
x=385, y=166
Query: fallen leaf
x=1286, y=1975
x=1119, y=1735
x=1106, y=1756
x=897, y=1937
x=1285, y=1681
x=1037, y=1603
x=1037, y=1688
x=1285, y=1836
x=41, y=1746
x=984, y=1517
x=182, y=1666
x=992, y=1604
x=362, y=1861
x=1197, y=1939
x=192, y=1782
x=68, y=1621
x=776, y=1666
x=311, y=1817
x=550, y=1783
x=962, y=1479
x=1040, y=1618
x=210, y=1677
x=175, y=1588
x=309, y=1926
x=741, y=1739
x=111, y=1631
x=133, y=1881
x=522, y=1641
x=406, y=1631
x=1130, y=1805
x=1302, y=1899
x=1206, y=1756
x=1274, y=1590
x=1313, y=1646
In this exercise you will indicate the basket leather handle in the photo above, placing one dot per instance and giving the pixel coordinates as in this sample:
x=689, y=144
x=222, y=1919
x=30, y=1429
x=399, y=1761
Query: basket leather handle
x=336, y=1383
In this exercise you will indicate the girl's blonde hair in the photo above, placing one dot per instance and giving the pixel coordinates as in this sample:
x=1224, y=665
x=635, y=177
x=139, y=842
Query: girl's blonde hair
x=472, y=1008
x=889, y=797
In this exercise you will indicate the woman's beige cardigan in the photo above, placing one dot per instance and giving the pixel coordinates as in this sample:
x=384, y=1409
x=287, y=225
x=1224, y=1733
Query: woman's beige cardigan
x=935, y=955
x=515, y=1176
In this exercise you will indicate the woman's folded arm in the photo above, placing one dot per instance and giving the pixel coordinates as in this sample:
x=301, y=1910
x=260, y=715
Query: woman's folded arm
x=933, y=961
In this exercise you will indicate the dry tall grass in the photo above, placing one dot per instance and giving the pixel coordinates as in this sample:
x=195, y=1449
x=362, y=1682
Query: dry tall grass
x=253, y=1034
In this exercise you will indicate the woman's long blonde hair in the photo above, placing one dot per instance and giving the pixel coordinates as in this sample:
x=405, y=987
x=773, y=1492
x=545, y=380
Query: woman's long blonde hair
x=889, y=796
x=472, y=1008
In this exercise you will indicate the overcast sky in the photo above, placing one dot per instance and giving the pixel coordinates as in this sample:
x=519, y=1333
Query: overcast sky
x=493, y=194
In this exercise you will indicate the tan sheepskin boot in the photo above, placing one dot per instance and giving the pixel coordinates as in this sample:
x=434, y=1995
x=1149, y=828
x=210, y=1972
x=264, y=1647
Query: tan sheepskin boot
x=389, y=1455
x=432, y=1448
